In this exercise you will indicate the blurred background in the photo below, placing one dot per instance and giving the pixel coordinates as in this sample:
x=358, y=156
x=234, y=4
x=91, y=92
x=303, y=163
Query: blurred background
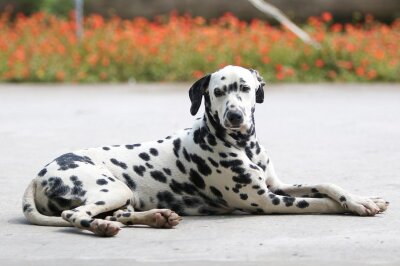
x=299, y=11
x=181, y=40
x=118, y=72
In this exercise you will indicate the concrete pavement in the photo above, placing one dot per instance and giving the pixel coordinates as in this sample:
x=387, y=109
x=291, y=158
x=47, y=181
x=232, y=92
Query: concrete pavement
x=344, y=134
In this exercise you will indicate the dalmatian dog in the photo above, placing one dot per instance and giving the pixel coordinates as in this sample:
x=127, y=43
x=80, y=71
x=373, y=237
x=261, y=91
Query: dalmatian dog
x=215, y=167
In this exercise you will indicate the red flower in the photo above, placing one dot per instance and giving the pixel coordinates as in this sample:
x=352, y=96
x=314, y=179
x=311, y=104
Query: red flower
x=319, y=63
x=326, y=16
x=278, y=67
x=337, y=27
x=360, y=71
x=372, y=74
x=280, y=76
x=198, y=74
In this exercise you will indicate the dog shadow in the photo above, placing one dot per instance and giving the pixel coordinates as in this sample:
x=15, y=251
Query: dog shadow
x=19, y=221
x=236, y=215
x=233, y=216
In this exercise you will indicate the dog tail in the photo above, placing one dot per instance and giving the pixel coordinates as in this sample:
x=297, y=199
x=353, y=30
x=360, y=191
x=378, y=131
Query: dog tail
x=33, y=215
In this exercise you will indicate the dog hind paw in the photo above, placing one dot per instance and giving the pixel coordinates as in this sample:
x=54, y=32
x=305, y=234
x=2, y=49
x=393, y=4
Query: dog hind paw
x=164, y=218
x=104, y=228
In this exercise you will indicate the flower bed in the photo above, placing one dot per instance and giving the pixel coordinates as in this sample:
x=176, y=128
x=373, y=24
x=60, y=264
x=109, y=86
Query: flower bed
x=45, y=48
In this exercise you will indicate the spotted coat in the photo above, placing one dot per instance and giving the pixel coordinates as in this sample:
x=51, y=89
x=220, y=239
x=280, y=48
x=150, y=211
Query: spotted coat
x=216, y=166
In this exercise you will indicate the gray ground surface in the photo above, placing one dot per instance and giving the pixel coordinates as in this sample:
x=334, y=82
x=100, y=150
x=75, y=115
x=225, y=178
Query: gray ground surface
x=345, y=134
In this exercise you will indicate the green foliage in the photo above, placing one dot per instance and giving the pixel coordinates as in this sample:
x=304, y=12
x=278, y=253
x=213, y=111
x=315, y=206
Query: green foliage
x=57, y=7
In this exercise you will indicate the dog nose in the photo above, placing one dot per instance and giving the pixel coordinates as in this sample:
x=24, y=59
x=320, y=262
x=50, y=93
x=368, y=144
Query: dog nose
x=235, y=117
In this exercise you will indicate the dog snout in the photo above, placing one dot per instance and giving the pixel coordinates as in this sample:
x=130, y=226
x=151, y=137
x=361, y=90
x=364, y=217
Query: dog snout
x=235, y=117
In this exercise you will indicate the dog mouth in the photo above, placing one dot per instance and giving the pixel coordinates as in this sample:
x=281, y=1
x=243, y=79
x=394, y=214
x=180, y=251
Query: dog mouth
x=229, y=126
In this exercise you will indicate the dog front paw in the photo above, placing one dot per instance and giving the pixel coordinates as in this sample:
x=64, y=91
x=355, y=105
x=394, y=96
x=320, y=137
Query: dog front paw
x=381, y=203
x=364, y=206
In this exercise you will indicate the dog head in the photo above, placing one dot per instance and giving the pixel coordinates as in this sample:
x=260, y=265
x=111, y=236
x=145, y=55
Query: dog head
x=230, y=96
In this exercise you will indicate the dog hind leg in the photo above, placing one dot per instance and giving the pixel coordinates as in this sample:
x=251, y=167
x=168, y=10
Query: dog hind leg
x=82, y=216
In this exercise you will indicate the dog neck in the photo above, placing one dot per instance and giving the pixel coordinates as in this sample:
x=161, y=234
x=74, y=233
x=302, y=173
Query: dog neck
x=238, y=139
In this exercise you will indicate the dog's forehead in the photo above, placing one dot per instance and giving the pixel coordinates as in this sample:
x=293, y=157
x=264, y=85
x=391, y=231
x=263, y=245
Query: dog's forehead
x=231, y=74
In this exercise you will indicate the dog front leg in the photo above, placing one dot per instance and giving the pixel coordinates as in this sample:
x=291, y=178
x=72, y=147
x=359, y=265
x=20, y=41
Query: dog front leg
x=270, y=203
x=360, y=205
x=356, y=204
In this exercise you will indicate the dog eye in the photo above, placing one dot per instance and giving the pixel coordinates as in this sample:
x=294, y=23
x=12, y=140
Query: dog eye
x=218, y=92
x=245, y=88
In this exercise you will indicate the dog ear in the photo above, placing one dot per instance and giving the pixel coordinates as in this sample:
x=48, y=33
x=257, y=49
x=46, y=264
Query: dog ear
x=261, y=84
x=196, y=93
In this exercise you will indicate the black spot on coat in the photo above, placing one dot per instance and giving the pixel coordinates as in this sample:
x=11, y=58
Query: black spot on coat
x=69, y=161
x=223, y=154
x=249, y=153
x=131, y=146
x=201, y=164
x=258, y=148
x=302, y=204
x=214, y=163
x=288, y=201
x=186, y=155
x=281, y=192
x=154, y=152
x=167, y=171
x=129, y=181
x=242, y=178
x=101, y=182
x=196, y=179
x=261, y=191
x=118, y=163
x=139, y=169
x=27, y=208
x=144, y=156
x=180, y=166
x=276, y=201
x=177, y=146
x=211, y=140
x=231, y=163
x=159, y=176
x=176, y=187
x=86, y=223
x=216, y=192
x=42, y=172
x=77, y=189
x=244, y=196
